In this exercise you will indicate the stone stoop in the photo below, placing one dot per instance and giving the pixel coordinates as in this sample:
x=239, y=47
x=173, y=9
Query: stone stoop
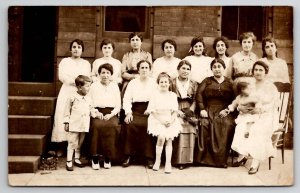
x=30, y=120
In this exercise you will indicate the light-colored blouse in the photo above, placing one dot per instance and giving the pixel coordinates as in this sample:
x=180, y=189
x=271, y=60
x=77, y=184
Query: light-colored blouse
x=130, y=60
x=138, y=91
x=116, y=64
x=106, y=96
x=163, y=65
x=278, y=70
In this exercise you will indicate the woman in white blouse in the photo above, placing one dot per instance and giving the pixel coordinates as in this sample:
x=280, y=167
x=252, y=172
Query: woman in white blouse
x=137, y=142
x=105, y=127
x=167, y=63
x=69, y=68
x=107, y=47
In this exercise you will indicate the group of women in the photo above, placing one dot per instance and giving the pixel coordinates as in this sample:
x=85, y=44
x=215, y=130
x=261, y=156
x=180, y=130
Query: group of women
x=204, y=86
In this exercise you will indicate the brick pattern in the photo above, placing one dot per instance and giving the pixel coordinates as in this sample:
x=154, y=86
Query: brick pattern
x=283, y=22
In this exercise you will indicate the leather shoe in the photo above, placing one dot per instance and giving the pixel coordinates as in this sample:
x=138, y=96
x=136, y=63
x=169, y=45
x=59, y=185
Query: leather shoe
x=150, y=164
x=78, y=163
x=253, y=170
x=69, y=166
x=240, y=163
x=126, y=162
x=181, y=167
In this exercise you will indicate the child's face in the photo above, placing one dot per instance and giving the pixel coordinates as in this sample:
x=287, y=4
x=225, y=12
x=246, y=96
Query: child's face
x=247, y=44
x=107, y=50
x=83, y=90
x=136, y=42
x=169, y=49
x=164, y=83
x=246, y=91
x=221, y=47
x=198, y=48
x=76, y=50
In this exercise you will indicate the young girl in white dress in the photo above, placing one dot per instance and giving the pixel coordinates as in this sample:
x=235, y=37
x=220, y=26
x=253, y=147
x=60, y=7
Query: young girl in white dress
x=163, y=121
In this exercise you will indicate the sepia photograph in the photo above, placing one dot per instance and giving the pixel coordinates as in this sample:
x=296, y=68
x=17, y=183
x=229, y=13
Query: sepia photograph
x=150, y=96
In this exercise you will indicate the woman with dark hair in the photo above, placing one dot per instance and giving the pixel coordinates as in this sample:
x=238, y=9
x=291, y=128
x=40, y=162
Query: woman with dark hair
x=242, y=62
x=215, y=135
x=199, y=61
x=68, y=70
x=167, y=63
x=221, y=46
x=258, y=144
x=105, y=128
x=137, y=142
x=107, y=47
x=278, y=67
x=185, y=90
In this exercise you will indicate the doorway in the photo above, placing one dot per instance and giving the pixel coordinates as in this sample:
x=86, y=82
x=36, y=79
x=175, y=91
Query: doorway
x=38, y=43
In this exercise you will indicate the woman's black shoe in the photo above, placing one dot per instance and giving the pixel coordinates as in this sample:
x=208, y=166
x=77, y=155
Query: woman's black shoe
x=149, y=164
x=181, y=167
x=240, y=163
x=126, y=162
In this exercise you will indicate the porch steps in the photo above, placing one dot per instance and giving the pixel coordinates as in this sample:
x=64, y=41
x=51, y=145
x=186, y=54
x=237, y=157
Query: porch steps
x=30, y=120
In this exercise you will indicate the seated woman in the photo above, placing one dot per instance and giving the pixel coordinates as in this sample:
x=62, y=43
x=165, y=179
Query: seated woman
x=185, y=90
x=105, y=128
x=216, y=132
x=137, y=142
x=258, y=145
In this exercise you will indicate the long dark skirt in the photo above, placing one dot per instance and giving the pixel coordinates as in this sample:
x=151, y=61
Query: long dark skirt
x=105, y=136
x=214, y=138
x=183, y=145
x=137, y=142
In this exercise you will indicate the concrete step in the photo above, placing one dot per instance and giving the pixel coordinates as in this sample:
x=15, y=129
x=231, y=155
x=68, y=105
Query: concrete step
x=31, y=105
x=23, y=164
x=31, y=89
x=29, y=124
x=31, y=145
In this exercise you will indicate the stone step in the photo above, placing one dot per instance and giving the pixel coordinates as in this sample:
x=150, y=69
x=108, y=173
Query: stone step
x=31, y=105
x=31, y=89
x=31, y=145
x=23, y=164
x=29, y=124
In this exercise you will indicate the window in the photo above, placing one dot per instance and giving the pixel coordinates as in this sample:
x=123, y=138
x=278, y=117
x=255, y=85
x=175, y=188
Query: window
x=237, y=19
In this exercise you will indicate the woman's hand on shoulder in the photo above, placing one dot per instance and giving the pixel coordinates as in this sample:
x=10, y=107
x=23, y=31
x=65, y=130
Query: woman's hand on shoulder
x=128, y=119
x=203, y=113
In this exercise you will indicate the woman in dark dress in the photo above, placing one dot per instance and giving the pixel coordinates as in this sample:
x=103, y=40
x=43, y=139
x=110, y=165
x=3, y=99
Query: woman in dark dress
x=137, y=142
x=216, y=131
x=185, y=89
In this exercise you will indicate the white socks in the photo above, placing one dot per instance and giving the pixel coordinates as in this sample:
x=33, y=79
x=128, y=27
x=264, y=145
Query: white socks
x=157, y=158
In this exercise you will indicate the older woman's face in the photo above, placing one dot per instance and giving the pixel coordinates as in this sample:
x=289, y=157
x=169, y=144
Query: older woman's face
x=259, y=72
x=198, y=48
x=247, y=44
x=270, y=48
x=169, y=50
x=144, y=69
x=105, y=76
x=184, y=71
x=136, y=42
x=221, y=47
x=217, y=70
x=76, y=50
x=107, y=50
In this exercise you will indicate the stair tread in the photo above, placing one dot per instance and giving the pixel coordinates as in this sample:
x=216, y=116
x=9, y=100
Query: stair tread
x=23, y=158
x=29, y=116
x=25, y=136
x=32, y=97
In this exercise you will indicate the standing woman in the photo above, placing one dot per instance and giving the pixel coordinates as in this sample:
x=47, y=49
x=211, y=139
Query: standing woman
x=131, y=58
x=199, y=61
x=137, y=142
x=107, y=47
x=167, y=63
x=240, y=67
x=278, y=69
x=105, y=128
x=214, y=94
x=221, y=46
x=69, y=68
x=185, y=90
